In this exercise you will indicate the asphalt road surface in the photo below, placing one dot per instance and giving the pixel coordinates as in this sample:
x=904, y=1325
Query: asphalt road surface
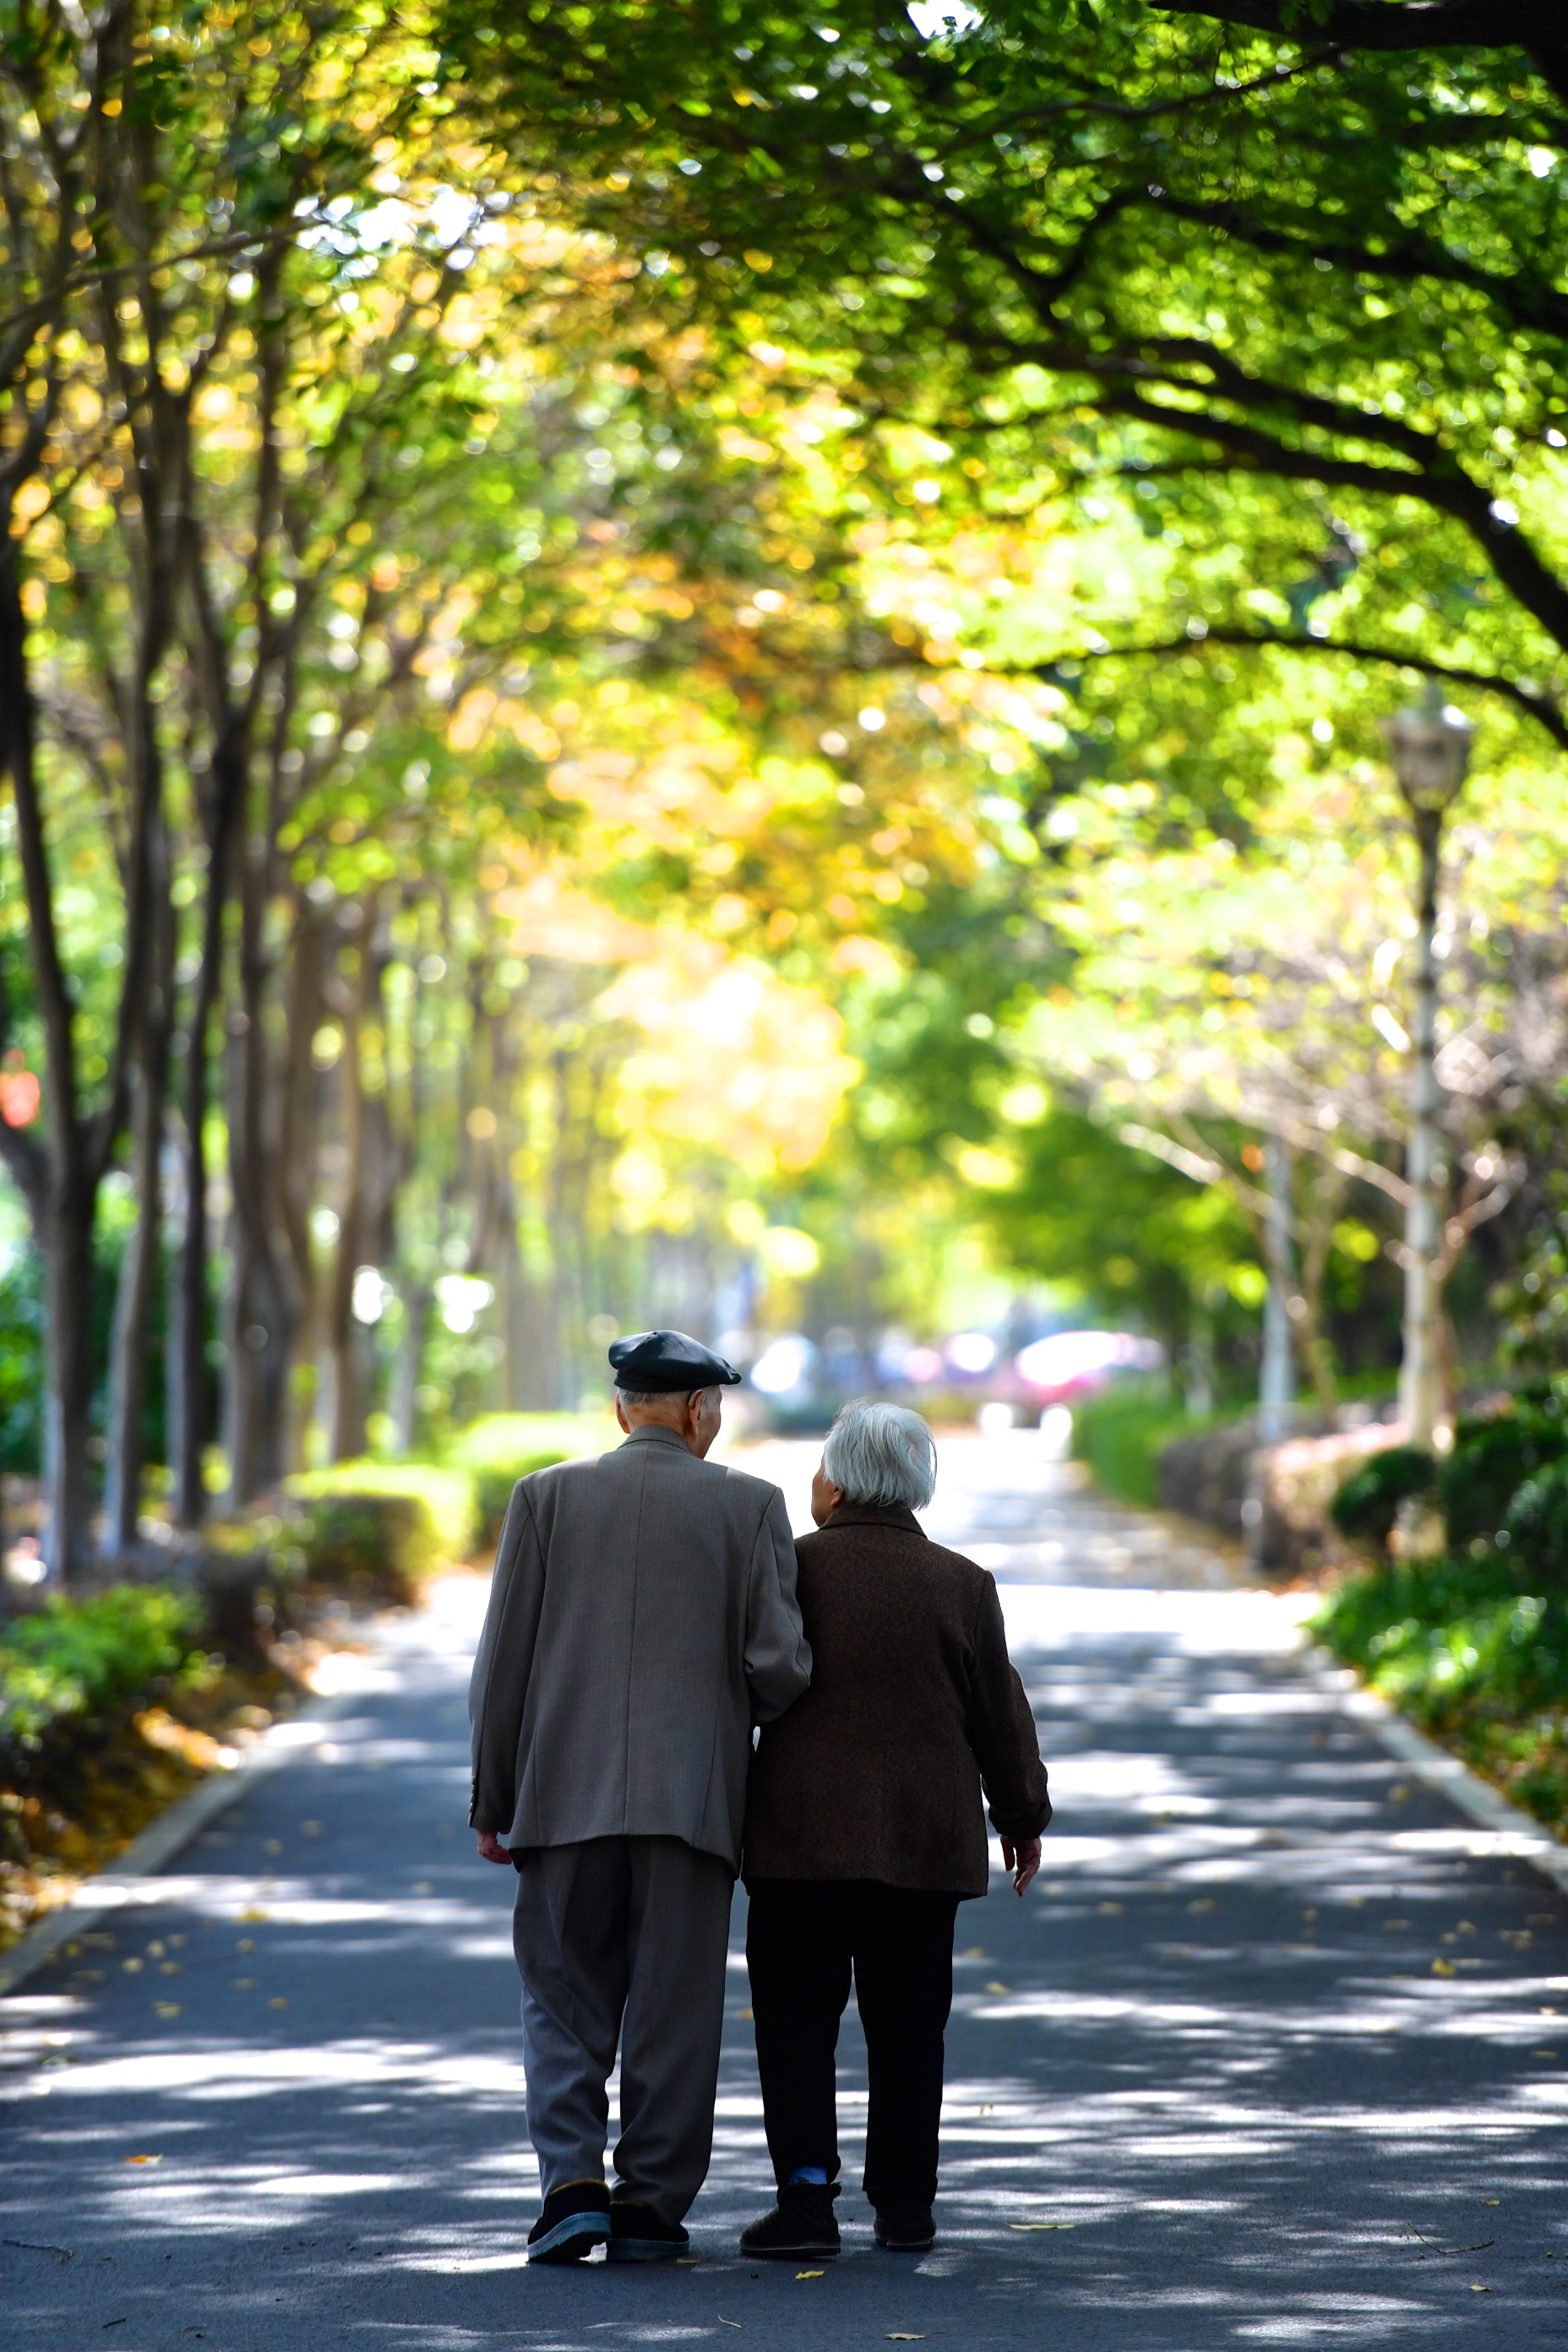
x=1276, y=2052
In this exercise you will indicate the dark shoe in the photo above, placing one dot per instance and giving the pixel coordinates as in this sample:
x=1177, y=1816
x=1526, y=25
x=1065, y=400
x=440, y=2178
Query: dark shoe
x=575, y=2218
x=907, y=2233
x=639, y=2235
x=800, y=2226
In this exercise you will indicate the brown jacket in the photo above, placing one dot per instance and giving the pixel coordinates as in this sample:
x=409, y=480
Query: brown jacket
x=877, y=1772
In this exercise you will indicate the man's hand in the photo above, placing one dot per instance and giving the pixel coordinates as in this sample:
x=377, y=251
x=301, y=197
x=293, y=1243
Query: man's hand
x=492, y=1849
x=1022, y=1857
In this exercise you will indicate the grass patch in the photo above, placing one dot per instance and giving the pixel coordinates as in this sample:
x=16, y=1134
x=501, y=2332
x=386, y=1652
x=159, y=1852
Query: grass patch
x=1121, y=1434
x=1476, y=1651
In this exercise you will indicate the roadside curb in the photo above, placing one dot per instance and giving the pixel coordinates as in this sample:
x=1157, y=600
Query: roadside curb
x=1520, y=1834
x=120, y=1885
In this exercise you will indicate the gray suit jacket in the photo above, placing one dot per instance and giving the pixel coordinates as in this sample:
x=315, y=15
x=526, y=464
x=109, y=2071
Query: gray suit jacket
x=642, y=1618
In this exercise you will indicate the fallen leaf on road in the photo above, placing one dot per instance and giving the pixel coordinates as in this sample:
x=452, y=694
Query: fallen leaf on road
x=132, y=1968
x=167, y=2008
x=245, y=1984
x=1042, y=2225
x=800, y=2275
x=685, y=2262
x=1442, y=1968
x=976, y=1952
x=1110, y=1907
x=1491, y=2201
x=998, y=1988
x=273, y=1845
x=746, y=2013
x=312, y=1829
x=256, y=1912
x=143, y=2160
x=1476, y=2289
x=278, y=2000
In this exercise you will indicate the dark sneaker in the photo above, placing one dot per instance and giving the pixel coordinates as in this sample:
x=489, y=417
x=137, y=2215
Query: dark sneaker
x=575, y=2218
x=639, y=2235
x=907, y=2233
x=801, y=2227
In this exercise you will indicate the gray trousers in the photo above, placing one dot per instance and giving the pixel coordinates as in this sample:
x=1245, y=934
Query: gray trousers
x=623, y=1938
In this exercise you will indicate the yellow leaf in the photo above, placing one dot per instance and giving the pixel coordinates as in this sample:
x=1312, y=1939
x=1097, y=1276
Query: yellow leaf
x=256, y=1913
x=1442, y=1968
x=998, y=1988
x=167, y=2008
x=143, y=2160
x=800, y=2275
x=277, y=2001
x=746, y=2013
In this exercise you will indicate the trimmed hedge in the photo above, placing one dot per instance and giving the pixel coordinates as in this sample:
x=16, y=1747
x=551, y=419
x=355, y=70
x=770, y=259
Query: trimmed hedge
x=1121, y=1434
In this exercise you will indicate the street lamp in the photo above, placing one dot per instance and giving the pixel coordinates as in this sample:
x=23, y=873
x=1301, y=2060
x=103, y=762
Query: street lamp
x=1430, y=749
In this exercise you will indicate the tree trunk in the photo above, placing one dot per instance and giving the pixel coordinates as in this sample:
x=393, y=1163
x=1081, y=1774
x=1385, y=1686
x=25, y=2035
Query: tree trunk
x=263, y=1311
x=300, y=1096
x=405, y=1399
x=57, y=1177
x=191, y=1388
x=67, y=1346
x=344, y=1352
x=128, y=1364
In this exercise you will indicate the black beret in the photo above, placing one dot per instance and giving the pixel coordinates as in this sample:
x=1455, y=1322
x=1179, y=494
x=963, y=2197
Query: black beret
x=668, y=1361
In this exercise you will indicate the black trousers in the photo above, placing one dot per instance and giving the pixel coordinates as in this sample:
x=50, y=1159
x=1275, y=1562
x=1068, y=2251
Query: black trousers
x=804, y=1938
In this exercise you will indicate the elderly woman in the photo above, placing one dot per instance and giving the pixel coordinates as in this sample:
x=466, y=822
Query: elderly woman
x=865, y=1830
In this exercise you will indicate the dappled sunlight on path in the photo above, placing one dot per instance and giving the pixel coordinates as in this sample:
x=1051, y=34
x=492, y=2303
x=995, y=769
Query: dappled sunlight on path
x=1275, y=2053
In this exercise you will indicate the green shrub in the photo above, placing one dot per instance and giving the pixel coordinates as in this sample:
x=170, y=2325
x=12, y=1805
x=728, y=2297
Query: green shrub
x=1367, y=1505
x=1491, y=1459
x=1472, y=1653
x=371, y=1546
x=445, y=1492
x=1537, y=1526
x=1121, y=1434
x=86, y=1657
x=502, y=1447
x=493, y=1486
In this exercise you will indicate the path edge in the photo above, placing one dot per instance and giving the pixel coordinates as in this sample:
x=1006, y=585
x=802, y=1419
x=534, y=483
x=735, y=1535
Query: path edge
x=168, y=1835
x=1525, y=1837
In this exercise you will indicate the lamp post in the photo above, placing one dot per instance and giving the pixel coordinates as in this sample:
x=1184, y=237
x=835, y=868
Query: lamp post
x=1430, y=749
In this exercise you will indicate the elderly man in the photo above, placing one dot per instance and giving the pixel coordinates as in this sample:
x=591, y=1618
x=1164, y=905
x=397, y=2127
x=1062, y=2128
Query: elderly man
x=642, y=1620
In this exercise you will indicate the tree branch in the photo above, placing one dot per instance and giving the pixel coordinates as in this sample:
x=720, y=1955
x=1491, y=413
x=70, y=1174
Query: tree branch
x=1537, y=704
x=1535, y=26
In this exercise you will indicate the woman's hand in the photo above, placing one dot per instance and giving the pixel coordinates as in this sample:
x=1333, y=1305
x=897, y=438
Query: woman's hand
x=1022, y=1857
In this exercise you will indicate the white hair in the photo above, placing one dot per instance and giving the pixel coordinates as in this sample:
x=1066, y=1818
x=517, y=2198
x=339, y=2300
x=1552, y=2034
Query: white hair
x=882, y=1453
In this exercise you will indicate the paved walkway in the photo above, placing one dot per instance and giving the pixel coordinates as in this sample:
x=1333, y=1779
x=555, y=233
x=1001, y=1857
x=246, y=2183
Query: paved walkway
x=1275, y=2053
